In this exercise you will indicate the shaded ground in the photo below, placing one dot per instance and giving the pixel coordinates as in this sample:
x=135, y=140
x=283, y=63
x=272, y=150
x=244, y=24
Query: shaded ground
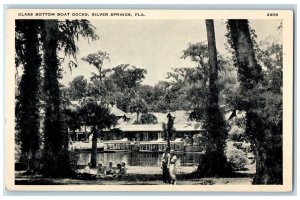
x=137, y=176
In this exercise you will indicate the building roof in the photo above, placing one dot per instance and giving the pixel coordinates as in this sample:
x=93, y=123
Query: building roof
x=188, y=127
x=139, y=127
x=181, y=116
x=157, y=127
x=238, y=114
x=127, y=121
x=116, y=111
x=113, y=109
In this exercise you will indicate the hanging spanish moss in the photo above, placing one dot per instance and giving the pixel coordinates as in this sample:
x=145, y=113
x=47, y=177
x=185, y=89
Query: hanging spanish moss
x=28, y=104
x=263, y=125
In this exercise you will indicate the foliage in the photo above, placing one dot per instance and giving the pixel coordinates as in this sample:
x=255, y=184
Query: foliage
x=207, y=109
x=58, y=36
x=260, y=95
x=236, y=125
x=121, y=84
x=138, y=105
x=33, y=39
x=214, y=137
x=249, y=71
x=73, y=119
x=97, y=115
x=148, y=118
x=97, y=59
x=125, y=76
x=77, y=88
x=236, y=158
x=258, y=91
x=28, y=104
x=68, y=33
x=236, y=134
x=63, y=163
x=118, y=86
x=198, y=53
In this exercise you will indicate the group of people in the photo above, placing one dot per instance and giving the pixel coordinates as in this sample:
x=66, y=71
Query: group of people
x=103, y=171
x=168, y=165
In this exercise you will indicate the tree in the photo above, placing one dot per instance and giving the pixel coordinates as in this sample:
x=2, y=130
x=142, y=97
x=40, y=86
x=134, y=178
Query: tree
x=118, y=86
x=28, y=105
x=249, y=71
x=73, y=119
x=198, y=53
x=58, y=36
x=77, y=88
x=262, y=104
x=203, y=87
x=97, y=59
x=197, y=80
x=99, y=118
x=148, y=118
x=214, y=123
x=138, y=105
x=54, y=135
x=126, y=76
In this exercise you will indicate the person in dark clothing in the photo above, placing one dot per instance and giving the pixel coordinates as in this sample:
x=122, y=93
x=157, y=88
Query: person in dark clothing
x=165, y=166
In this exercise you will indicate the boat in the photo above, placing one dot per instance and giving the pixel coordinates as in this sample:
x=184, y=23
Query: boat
x=160, y=145
x=123, y=145
x=85, y=146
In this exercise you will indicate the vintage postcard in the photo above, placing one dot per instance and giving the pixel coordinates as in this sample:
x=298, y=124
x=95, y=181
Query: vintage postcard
x=149, y=100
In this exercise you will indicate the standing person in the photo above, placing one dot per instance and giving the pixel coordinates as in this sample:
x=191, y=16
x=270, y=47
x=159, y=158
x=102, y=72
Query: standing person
x=165, y=165
x=172, y=167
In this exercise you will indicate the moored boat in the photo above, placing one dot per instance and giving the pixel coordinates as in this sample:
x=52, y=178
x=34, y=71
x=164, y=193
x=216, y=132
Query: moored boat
x=160, y=145
x=123, y=145
x=85, y=146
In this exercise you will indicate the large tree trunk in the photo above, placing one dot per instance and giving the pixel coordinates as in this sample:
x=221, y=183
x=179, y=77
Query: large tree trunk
x=213, y=64
x=249, y=71
x=214, y=160
x=267, y=142
x=52, y=125
x=27, y=108
x=56, y=155
x=94, y=148
x=265, y=138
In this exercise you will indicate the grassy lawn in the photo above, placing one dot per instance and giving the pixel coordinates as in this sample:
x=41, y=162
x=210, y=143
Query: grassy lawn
x=137, y=176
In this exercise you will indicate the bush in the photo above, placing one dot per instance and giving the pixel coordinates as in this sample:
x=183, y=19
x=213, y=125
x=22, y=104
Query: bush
x=61, y=165
x=236, y=134
x=238, y=137
x=237, y=159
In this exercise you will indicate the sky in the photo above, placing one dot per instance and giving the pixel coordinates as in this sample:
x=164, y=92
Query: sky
x=155, y=45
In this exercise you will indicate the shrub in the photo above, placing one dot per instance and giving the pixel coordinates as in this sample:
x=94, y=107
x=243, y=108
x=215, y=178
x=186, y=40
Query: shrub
x=60, y=165
x=236, y=134
x=236, y=159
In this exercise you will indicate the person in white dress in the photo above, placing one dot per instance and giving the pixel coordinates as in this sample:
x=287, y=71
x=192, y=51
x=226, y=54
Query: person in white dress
x=172, y=167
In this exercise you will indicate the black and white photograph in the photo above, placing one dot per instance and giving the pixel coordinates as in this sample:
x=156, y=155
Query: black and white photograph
x=150, y=100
